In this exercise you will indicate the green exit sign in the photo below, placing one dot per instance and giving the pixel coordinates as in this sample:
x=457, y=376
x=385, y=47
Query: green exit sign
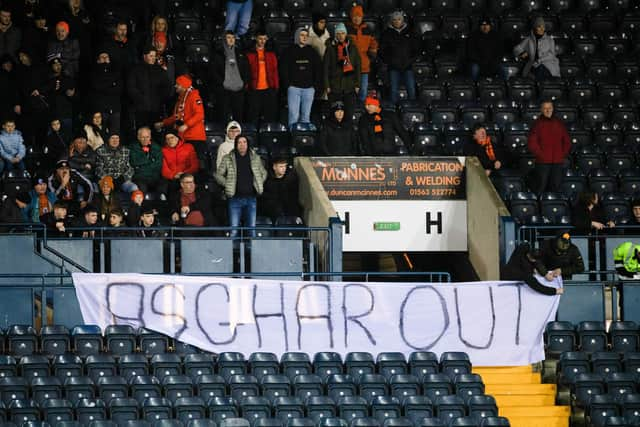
x=386, y=226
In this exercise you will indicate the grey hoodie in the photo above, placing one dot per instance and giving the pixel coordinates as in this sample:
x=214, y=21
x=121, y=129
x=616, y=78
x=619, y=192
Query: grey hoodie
x=228, y=144
x=232, y=78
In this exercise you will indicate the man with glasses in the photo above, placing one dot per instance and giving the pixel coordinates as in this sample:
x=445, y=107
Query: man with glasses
x=191, y=206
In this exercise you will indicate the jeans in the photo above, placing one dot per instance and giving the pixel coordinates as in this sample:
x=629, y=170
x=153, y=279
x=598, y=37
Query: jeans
x=238, y=17
x=242, y=208
x=409, y=80
x=364, y=87
x=542, y=73
x=7, y=166
x=299, y=101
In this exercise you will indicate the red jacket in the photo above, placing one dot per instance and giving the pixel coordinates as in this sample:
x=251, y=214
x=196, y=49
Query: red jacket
x=190, y=110
x=549, y=141
x=181, y=158
x=271, y=66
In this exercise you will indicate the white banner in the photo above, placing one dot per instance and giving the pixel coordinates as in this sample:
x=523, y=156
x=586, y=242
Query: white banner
x=496, y=323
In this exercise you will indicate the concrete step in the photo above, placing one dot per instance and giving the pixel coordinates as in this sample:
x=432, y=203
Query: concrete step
x=520, y=389
x=525, y=400
x=482, y=370
x=535, y=411
x=539, y=421
x=507, y=378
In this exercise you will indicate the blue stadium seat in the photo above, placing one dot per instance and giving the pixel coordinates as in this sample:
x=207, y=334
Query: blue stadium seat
x=189, y=408
x=423, y=362
x=481, y=406
x=372, y=385
x=585, y=386
x=383, y=407
x=397, y=422
x=241, y=386
x=132, y=365
x=210, y=386
x=326, y=363
x=55, y=410
x=404, y=385
x=201, y=423
x=275, y=385
x=124, y=409
x=339, y=385
x=87, y=340
x=364, y=422
x=352, y=407
x=43, y=388
x=359, y=363
x=120, y=339
x=152, y=342
x=495, y=422
x=100, y=365
x=144, y=387
x=23, y=410
x=231, y=363
x=465, y=422
x=33, y=365
x=467, y=385
x=222, y=408
x=624, y=336
x=592, y=336
x=560, y=337
x=177, y=386
x=261, y=364
x=620, y=384
x=288, y=407
x=67, y=365
x=199, y=364
x=391, y=363
x=8, y=366
x=450, y=407
x=21, y=340
x=436, y=385
x=54, y=340
x=600, y=408
x=432, y=422
x=12, y=388
x=254, y=407
x=417, y=407
x=88, y=410
x=320, y=407
x=570, y=364
x=268, y=422
x=306, y=385
x=165, y=364
x=605, y=362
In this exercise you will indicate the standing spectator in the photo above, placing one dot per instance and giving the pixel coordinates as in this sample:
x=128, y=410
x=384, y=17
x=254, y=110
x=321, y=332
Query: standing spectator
x=166, y=58
x=242, y=175
x=10, y=35
x=230, y=76
x=178, y=158
x=188, y=118
x=588, y=214
x=148, y=88
x=58, y=91
x=146, y=160
x=377, y=130
x=160, y=28
x=318, y=34
x=42, y=199
x=71, y=187
x=233, y=129
x=12, y=149
x=280, y=195
x=191, y=206
x=65, y=48
x=489, y=153
x=113, y=161
x=82, y=27
x=55, y=147
x=342, y=70
x=29, y=75
x=106, y=200
x=82, y=158
x=14, y=209
x=301, y=74
x=36, y=36
x=561, y=257
x=484, y=51
x=105, y=93
x=263, y=88
x=337, y=136
x=539, y=52
x=399, y=50
x=550, y=144
x=95, y=131
x=367, y=46
x=238, y=16
x=121, y=50
x=9, y=88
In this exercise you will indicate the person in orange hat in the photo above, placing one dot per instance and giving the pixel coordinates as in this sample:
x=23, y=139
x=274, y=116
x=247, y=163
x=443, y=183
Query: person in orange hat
x=377, y=130
x=365, y=41
x=188, y=118
x=65, y=48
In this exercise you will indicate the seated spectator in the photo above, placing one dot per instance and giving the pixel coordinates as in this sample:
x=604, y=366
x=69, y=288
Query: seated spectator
x=233, y=129
x=146, y=160
x=626, y=258
x=13, y=209
x=280, y=195
x=42, y=199
x=337, y=136
x=133, y=214
x=635, y=209
x=489, y=153
x=399, y=49
x=12, y=149
x=191, y=206
x=178, y=158
x=71, y=187
x=116, y=224
x=522, y=266
x=365, y=41
x=484, y=51
x=588, y=215
x=65, y=48
x=56, y=145
x=82, y=158
x=148, y=222
x=88, y=219
x=378, y=128
x=106, y=200
x=113, y=160
x=57, y=221
x=561, y=257
x=95, y=131
x=539, y=52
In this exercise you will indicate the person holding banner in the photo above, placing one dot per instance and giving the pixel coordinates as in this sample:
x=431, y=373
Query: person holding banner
x=523, y=265
x=561, y=256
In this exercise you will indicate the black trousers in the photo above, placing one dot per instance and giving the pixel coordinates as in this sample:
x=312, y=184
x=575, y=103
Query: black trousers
x=547, y=177
x=202, y=151
x=233, y=105
x=263, y=104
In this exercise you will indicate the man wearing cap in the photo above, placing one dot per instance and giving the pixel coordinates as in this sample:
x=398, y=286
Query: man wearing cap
x=82, y=158
x=65, y=48
x=301, y=74
x=399, y=49
x=264, y=84
x=42, y=199
x=113, y=161
x=148, y=222
x=626, y=258
x=342, y=70
x=337, y=136
x=188, y=118
x=229, y=76
x=484, y=50
x=561, y=257
x=365, y=41
x=146, y=160
x=377, y=130
x=538, y=50
x=148, y=88
x=71, y=187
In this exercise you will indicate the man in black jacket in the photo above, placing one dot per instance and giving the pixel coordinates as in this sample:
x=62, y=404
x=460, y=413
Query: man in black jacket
x=301, y=74
x=399, y=50
x=522, y=265
x=71, y=187
x=562, y=257
x=105, y=91
x=337, y=136
x=280, y=195
x=148, y=88
x=377, y=130
x=230, y=76
x=484, y=50
x=13, y=210
x=82, y=158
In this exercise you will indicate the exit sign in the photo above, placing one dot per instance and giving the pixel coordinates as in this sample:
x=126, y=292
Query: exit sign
x=386, y=226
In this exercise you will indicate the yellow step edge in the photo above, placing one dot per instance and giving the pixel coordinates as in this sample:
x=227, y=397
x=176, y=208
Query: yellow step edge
x=529, y=378
x=525, y=400
x=539, y=421
x=537, y=411
x=520, y=389
x=502, y=369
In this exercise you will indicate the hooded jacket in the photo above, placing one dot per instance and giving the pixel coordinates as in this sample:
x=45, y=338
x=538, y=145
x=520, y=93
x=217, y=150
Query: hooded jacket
x=300, y=66
x=546, y=49
x=190, y=107
x=338, y=138
x=180, y=159
x=549, y=141
x=228, y=144
x=79, y=161
x=570, y=261
x=399, y=48
x=12, y=145
x=334, y=77
x=113, y=162
x=81, y=187
x=147, y=166
x=227, y=173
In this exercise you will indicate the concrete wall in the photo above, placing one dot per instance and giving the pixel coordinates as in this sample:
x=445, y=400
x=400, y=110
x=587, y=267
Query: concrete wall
x=484, y=208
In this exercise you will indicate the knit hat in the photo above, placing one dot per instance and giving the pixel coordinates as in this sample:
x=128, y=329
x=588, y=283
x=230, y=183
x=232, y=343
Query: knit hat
x=136, y=193
x=107, y=180
x=184, y=81
x=356, y=11
x=340, y=28
x=563, y=242
x=23, y=197
x=172, y=131
x=63, y=24
x=39, y=178
x=397, y=15
x=538, y=22
x=147, y=208
x=370, y=100
x=53, y=58
x=336, y=106
x=233, y=124
x=315, y=17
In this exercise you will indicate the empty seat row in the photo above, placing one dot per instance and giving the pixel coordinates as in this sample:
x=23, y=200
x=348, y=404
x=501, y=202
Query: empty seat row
x=573, y=363
x=591, y=336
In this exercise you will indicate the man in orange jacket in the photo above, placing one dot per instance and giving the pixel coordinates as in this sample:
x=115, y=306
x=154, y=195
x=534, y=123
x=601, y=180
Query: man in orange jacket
x=367, y=45
x=188, y=118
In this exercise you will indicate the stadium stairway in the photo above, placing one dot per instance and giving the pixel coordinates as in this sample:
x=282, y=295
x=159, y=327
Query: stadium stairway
x=522, y=398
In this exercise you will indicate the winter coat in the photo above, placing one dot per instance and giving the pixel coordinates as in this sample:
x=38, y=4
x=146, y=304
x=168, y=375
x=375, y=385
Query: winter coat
x=10, y=41
x=582, y=216
x=366, y=42
x=55, y=94
x=106, y=88
x=113, y=162
x=546, y=53
x=399, y=48
x=280, y=196
x=105, y=206
x=318, y=42
x=32, y=210
x=271, y=66
x=94, y=137
x=146, y=166
x=12, y=145
x=190, y=110
x=55, y=147
x=216, y=67
x=549, y=141
x=148, y=87
x=334, y=77
x=522, y=268
x=79, y=162
x=121, y=54
x=180, y=159
x=81, y=187
x=203, y=203
x=485, y=49
x=10, y=90
x=381, y=144
x=69, y=52
x=301, y=67
x=228, y=144
x=11, y=213
x=226, y=175
x=338, y=138
x=569, y=262
x=472, y=148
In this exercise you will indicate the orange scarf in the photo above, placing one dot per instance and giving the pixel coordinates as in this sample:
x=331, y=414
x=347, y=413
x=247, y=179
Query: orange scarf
x=488, y=148
x=377, y=119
